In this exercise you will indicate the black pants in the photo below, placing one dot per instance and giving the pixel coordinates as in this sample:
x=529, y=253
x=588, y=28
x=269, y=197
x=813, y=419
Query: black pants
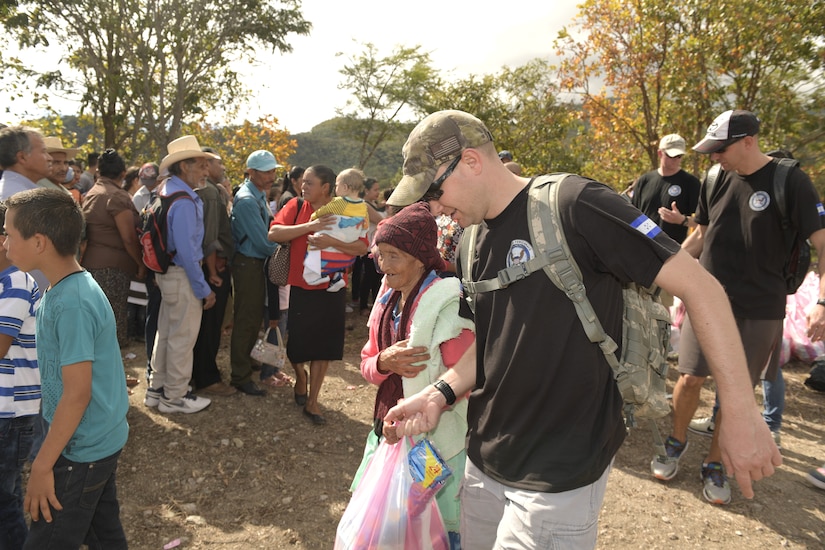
x=204, y=365
x=370, y=282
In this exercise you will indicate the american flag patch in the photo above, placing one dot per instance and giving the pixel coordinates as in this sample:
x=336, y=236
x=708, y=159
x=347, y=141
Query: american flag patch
x=646, y=226
x=445, y=147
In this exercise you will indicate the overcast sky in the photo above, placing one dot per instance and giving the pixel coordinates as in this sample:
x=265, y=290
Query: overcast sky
x=301, y=88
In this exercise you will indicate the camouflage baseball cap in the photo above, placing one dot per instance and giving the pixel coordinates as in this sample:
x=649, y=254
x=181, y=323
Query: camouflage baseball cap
x=437, y=139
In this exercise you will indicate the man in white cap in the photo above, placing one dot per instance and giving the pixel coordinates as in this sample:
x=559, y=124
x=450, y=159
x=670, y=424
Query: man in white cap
x=23, y=158
x=184, y=290
x=670, y=187
x=148, y=176
x=250, y=221
x=544, y=413
x=739, y=240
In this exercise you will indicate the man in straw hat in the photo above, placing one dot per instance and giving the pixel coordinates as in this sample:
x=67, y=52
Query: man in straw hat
x=545, y=415
x=60, y=163
x=184, y=290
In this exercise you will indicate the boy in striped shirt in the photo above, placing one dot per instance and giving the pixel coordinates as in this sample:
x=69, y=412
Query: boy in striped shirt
x=19, y=391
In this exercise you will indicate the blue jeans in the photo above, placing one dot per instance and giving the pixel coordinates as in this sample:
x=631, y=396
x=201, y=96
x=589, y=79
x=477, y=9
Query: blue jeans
x=91, y=513
x=16, y=437
x=774, y=401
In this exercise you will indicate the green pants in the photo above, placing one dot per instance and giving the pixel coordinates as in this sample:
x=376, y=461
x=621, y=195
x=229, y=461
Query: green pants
x=250, y=293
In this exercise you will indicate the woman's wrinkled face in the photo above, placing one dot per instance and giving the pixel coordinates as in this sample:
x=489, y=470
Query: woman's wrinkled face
x=401, y=270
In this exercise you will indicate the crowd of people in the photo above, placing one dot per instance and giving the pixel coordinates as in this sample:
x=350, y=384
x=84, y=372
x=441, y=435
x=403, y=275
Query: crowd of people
x=539, y=434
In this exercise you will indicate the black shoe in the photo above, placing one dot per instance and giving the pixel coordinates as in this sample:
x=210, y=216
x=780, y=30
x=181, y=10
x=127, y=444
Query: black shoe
x=300, y=400
x=249, y=388
x=317, y=419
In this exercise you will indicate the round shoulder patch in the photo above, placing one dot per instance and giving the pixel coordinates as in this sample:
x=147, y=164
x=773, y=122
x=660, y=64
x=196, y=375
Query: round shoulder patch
x=674, y=190
x=520, y=251
x=759, y=201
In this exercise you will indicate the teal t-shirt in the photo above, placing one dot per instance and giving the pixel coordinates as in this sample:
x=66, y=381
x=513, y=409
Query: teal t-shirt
x=75, y=323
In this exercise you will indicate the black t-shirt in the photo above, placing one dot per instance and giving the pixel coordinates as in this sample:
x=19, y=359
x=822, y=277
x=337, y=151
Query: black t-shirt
x=653, y=191
x=546, y=415
x=744, y=246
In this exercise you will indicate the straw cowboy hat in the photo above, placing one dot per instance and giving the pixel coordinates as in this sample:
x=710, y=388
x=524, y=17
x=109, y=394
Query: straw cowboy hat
x=54, y=145
x=185, y=147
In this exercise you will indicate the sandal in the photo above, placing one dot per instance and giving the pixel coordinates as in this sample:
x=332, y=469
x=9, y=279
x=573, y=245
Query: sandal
x=278, y=382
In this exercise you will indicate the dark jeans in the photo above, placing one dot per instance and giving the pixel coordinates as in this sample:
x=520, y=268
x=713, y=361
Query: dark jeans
x=370, y=282
x=204, y=357
x=16, y=436
x=152, y=313
x=356, y=274
x=90, y=514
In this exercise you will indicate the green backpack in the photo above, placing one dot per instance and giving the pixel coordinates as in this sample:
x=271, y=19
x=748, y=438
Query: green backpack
x=641, y=371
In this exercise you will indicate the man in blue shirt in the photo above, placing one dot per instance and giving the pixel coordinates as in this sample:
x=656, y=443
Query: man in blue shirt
x=250, y=224
x=184, y=290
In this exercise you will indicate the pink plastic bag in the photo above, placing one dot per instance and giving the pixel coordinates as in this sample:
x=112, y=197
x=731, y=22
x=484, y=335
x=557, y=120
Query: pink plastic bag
x=377, y=516
x=795, y=341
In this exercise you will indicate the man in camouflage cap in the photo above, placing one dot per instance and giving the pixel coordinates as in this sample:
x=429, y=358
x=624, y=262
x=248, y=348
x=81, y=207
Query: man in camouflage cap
x=544, y=414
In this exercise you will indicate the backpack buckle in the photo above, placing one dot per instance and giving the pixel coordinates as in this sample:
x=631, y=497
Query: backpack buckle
x=510, y=275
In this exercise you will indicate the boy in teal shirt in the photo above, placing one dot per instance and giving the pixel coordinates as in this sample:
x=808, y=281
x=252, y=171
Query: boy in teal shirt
x=71, y=494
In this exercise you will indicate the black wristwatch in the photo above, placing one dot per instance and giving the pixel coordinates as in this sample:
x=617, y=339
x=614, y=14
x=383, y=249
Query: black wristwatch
x=445, y=390
x=820, y=302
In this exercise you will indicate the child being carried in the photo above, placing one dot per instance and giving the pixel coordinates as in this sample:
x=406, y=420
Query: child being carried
x=351, y=223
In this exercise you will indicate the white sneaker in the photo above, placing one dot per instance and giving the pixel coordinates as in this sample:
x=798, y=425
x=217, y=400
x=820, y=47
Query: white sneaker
x=335, y=286
x=152, y=397
x=189, y=403
x=702, y=426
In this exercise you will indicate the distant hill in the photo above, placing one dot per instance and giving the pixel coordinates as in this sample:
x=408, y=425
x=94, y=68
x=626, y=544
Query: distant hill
x=325, y=145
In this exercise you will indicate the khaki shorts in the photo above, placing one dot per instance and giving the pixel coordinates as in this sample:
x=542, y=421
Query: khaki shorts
x=496, y=516
x=761, y=339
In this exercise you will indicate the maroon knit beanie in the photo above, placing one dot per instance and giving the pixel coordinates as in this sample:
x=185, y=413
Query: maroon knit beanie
x=413, y=231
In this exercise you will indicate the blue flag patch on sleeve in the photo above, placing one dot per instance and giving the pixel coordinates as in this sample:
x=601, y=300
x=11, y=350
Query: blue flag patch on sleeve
x=646, y=226
x=819, y=209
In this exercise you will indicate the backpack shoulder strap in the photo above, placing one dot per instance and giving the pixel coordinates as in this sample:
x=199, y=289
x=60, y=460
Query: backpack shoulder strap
x=780, y=179
x=711, y=178
x=505, y=277
x=549, y=242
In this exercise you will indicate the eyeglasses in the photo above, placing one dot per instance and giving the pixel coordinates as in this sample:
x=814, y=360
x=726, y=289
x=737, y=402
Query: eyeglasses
x=435, y=187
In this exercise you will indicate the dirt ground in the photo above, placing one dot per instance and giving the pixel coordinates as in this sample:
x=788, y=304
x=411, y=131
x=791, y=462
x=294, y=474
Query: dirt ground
x=253, y=472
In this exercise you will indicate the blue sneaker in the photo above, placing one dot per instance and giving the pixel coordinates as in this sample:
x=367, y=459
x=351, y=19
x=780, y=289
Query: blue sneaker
x=717, y=487
x=666, y=467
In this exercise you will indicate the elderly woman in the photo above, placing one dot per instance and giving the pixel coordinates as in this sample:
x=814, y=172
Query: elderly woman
x=415, y=335
x=316, y=318
x=112, y=254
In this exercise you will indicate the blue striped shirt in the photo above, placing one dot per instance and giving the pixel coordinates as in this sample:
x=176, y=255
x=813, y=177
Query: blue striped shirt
x=19, y=377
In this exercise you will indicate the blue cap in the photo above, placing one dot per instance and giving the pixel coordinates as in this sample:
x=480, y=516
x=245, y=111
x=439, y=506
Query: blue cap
x=505, y=155
x=262, y=161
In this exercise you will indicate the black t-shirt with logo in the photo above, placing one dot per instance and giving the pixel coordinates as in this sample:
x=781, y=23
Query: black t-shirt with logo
x=744, y=245
x=546, y=415
x=653, y=191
